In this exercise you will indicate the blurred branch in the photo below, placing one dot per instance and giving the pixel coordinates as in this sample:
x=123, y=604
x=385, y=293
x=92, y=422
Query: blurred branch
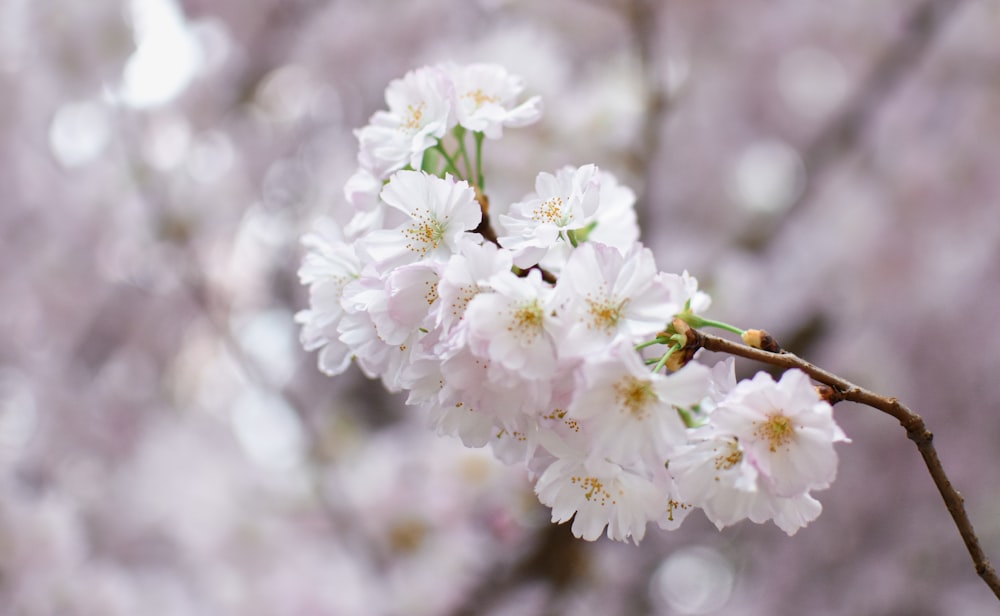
x=916, y=431
x=643, y=19
x=558, y=558
x=843, y=133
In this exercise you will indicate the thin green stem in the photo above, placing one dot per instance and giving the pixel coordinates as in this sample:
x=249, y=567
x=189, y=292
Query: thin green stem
x=449, y=161
x=663, y=360
x=479, y=160
x=649, y=343
x=463, y=151
x=698, y=322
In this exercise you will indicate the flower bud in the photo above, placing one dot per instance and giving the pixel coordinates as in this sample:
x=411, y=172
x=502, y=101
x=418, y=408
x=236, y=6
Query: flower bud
x=679, y=358
x=760, y=339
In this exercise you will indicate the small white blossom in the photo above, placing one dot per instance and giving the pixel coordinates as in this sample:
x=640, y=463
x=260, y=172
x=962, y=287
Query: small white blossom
x=616, y=219
x=596, y=494
x=632, y=409
x=440, y=212
x=561, y=203
x=485, y=99
x=328, y=266
x=419, y=115
x=603, y=295
x=786, y=430
x=684, y=287
x=513, y=325
x=465, y=275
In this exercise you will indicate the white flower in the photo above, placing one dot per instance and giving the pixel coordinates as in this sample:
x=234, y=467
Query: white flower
x=419, y=115
x=466, y=275
x=786, y=430
x=714, y=474
x=763, y=449
x=362, y=189
x=684, y=287
x=602, y=295
x=383, y=347
x=599, y=494
x=616, y=220
x=440, y=213
x=512, y=325
x=561, y=203
x=677, y=509
x=631, y=409
x=412, y=294
x=485, y=99
x=328, y=266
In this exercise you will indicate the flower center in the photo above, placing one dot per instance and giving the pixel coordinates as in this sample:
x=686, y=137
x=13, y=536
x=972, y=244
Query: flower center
x=593, y=490
x=479, y=98
x=605, y=314
x=527, y=321
x=729, y=459
x=635, y=396
x=549, y=211
x=414, y=116
x=462, y=299
x=425, y=234
x=431, y=295
x=673, y=505
x=778, y=431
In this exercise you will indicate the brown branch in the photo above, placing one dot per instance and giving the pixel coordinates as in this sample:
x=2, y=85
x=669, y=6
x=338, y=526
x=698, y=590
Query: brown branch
x=916, y=431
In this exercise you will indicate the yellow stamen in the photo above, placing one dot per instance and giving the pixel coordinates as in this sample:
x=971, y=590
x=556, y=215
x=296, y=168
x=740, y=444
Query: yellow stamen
x=635, y=396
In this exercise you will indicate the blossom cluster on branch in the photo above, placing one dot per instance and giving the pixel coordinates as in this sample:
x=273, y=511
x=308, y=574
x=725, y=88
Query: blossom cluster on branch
x=551, y=337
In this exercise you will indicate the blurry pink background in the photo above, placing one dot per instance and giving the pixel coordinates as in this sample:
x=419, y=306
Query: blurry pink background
x=827, y=170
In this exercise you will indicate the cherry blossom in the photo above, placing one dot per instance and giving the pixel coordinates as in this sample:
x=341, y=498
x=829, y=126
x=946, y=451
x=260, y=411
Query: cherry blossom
x=604, y=295
x=419, y=114
x=785, y=429
x=561, y=203
x=556, y=343
x=440, y=212
x=485, y=96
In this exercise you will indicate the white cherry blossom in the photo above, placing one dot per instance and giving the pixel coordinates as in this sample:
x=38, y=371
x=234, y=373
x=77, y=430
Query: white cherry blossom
x=616, y=219
x=328, y=266
x=466, y=274
x=632, y=409
x=439, y=213
x=513, y=325
x=599, y=494
x=486, y=99
x=786, y=430
x=419, y=114
x=561, y=203
x=603, y=295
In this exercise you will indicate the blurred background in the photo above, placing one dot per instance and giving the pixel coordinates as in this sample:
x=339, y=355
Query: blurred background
x=827, y=170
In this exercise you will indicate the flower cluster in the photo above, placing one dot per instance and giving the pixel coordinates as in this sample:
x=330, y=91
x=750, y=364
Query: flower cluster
x=551, y=336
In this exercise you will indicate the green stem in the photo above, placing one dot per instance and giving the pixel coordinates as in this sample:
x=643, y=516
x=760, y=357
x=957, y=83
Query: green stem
x=649, y=343
x=450, y=166
x=459, y=132
x=663, y=360
x=697, y=322
x=479, y=160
